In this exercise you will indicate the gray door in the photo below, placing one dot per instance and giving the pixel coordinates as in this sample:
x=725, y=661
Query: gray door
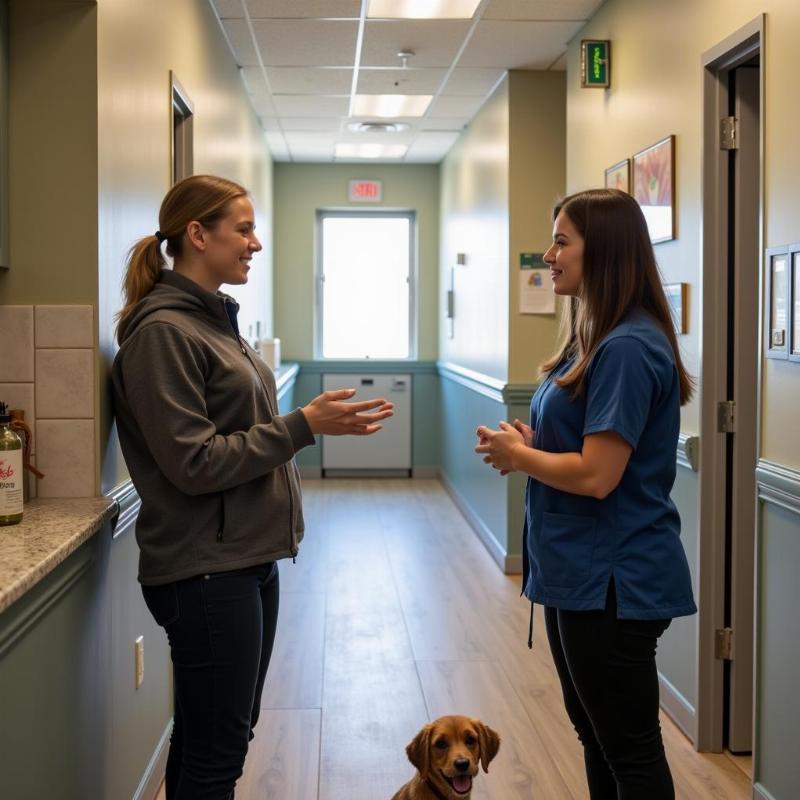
x=743, y=350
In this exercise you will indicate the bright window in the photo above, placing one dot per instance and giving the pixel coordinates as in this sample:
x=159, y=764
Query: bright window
x=365, y=303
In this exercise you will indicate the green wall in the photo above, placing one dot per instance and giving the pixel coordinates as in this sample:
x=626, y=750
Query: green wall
x=302, y=189
x=137, y=46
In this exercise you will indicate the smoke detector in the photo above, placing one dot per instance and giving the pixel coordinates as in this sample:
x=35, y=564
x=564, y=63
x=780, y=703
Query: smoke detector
x=376, y=126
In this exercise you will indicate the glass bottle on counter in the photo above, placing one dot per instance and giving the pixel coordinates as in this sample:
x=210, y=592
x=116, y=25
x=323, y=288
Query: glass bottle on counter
x=11, y=473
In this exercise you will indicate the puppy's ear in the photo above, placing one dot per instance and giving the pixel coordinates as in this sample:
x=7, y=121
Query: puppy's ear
x=419, y=750
x=489, y=742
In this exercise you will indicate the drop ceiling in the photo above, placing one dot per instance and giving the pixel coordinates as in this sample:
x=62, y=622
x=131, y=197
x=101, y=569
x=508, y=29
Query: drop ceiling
x=306, y=64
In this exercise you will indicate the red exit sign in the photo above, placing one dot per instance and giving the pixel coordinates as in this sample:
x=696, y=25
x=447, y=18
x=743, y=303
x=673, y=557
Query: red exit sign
x=362, y=191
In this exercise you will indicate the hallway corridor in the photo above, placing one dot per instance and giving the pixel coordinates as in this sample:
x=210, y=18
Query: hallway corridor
x=396, y=614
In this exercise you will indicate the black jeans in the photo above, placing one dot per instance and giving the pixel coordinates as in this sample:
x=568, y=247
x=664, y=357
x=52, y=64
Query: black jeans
x=607, y=668
x=221, y=628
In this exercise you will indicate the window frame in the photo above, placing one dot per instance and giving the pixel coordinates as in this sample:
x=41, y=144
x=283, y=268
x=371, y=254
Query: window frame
x=319, y=280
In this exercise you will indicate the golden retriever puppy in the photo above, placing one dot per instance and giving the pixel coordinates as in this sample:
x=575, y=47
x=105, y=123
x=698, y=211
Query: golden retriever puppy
x=446, y=753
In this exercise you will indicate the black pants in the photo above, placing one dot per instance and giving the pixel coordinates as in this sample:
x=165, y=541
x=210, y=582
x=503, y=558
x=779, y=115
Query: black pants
x=221, y=628
x=607, y=668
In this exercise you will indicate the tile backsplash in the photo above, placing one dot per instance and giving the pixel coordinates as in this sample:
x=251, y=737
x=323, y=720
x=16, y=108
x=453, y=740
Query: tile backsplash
x=47, y=368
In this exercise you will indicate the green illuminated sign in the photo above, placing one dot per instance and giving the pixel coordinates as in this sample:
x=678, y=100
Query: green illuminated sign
x=595, y=63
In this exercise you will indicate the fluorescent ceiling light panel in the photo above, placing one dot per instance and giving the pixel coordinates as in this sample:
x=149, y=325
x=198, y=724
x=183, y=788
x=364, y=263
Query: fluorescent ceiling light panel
x=348, y=150
x=422, y=9
x=390, y=105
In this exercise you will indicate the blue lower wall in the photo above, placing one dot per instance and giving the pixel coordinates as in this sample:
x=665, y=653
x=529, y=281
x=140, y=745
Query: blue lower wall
x=776, y=765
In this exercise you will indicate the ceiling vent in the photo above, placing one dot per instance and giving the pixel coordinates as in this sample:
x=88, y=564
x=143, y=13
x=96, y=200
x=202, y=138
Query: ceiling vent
x=378, y=127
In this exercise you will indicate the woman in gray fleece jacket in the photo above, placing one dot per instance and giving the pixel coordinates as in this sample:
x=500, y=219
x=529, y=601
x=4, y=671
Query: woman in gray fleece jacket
x=213, y=462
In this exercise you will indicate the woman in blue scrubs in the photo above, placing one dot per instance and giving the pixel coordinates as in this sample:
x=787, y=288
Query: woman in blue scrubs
x=602, y=551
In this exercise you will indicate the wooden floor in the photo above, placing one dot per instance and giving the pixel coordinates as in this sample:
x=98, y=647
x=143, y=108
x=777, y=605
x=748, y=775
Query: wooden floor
x=393, y=615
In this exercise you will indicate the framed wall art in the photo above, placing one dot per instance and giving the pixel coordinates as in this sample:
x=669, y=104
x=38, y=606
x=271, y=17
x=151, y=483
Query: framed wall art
x=794, y=290
x=678, y=299
x=619, y=176
x=778, y=308
x=653, y=178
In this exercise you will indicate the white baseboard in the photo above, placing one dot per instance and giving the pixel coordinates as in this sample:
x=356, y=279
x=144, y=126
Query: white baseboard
x=510, y=565
x=760, y=793
x=154, y=773
x=425, y=472
x=678, y=708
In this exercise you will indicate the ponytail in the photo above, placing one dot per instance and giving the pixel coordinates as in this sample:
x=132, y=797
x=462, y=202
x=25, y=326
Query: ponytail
x=201, y=198
x=144, y=265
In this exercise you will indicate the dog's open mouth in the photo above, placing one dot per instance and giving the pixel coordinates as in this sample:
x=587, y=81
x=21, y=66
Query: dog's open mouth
x=461, y=784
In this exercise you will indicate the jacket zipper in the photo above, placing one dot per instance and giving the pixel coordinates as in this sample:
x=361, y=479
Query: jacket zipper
x=293, y=549
x=221, y=529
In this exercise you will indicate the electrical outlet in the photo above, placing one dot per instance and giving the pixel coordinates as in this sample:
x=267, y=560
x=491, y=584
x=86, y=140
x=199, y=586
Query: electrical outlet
x=138, y=648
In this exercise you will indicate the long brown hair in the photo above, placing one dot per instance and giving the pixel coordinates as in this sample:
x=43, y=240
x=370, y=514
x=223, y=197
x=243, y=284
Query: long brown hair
x=620, y=274
x=200, y=198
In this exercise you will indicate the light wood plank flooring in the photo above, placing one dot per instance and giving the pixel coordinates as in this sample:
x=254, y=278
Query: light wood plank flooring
x=393, y=615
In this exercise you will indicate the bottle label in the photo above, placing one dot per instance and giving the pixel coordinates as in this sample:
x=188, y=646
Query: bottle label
x=11, y=478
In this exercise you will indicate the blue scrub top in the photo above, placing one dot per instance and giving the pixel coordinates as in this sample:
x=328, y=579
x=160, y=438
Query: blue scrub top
x=575, y=544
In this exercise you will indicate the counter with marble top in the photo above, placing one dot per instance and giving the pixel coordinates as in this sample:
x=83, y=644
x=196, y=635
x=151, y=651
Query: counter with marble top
x=50, y=531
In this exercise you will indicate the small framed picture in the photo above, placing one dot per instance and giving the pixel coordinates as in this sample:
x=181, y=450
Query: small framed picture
x=678, y=299
x=777, y=312
x=619, y=176
x=794, y=347
x=654, y=188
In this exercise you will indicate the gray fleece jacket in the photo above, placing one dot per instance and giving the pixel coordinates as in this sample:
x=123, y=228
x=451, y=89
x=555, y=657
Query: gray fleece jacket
x=210, y=457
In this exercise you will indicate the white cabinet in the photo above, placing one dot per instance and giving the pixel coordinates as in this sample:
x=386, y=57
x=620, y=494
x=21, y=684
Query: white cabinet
x=388, y=449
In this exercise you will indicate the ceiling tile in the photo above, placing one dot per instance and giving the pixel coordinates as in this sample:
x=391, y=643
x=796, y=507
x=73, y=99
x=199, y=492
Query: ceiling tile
x=399, y=81
x=306, y=105
x=443, y=123
x=228, y=8
x=299, y=80
x=434, y=42
x=471, y=81
x=332, y=124
x=253, y=79
x=314, y=43
x=263, y=105
x=436, y=139
x=454, y=106
x=518, y=45
x=541, y=9
x=560, y=64
x=271, y=124
x=277, y=144
x=304, y=9
x=309, y=139
x=241, y=41
x=312, y=154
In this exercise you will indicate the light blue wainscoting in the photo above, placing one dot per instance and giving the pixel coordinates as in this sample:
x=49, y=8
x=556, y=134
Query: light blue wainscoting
x=425, y=405
x=677, y=648
x=492, y=504
x=777, y=766
x=72, y=722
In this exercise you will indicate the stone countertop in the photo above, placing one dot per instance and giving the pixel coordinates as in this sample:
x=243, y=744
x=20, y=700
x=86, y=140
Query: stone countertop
x=50, y=531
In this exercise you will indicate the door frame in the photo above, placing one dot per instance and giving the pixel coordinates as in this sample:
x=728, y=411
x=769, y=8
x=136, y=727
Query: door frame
x=733, y=51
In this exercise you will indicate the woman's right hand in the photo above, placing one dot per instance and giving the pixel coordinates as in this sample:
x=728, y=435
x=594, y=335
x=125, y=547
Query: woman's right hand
x=527, y=432
x=331, y=415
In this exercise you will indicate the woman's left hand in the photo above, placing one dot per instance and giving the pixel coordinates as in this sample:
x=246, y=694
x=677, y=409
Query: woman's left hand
x=498, y=446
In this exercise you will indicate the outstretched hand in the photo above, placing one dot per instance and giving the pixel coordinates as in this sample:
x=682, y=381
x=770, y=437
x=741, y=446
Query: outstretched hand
x=497, y=446
x=331, y=415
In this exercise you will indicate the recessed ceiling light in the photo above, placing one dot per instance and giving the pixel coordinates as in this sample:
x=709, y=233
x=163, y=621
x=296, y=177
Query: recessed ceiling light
x=391, y=105
x=375, y=126
x=422, y=9
x=348, y=150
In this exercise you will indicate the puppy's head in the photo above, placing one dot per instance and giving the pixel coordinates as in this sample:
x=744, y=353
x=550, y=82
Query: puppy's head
x=448, y=750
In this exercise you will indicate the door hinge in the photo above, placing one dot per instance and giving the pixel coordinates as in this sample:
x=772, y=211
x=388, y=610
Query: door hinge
x=725, y=416
x=728, y=134
x=723, y=644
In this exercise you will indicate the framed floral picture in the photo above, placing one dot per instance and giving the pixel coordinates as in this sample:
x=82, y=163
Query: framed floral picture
x=654, y=188
x=619, y=176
